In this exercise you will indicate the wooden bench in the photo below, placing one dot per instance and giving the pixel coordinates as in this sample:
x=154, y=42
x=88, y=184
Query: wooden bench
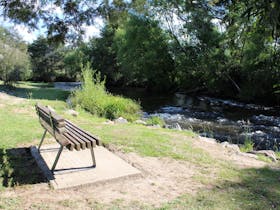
x=66, y=133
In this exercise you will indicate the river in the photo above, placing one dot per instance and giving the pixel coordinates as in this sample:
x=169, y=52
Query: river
x=224, y=120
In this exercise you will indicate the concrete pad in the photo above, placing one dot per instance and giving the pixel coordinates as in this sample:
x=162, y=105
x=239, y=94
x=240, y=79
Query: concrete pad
x=74, y=168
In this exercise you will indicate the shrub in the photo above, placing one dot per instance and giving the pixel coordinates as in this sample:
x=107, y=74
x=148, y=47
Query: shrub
x=155, y=120
x=247, y=146
x=277, y=155
x=94, y=98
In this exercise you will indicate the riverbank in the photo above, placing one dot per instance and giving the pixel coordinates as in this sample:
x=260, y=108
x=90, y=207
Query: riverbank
x=180, y=170
x=222, y=119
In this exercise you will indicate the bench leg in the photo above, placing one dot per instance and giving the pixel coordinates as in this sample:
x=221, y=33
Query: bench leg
x=93, y=157
x=57, y=157
x=41, y=142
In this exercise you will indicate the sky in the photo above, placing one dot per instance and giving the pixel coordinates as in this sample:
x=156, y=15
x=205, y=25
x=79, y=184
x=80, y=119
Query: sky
x=29, y=35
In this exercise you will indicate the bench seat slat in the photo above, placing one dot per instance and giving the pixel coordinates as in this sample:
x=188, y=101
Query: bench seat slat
x=60, y=138
x=81, y=142
x=89, y=143
x=82, y=132
x=70, y=146
x=81, y=135
x=77, y=144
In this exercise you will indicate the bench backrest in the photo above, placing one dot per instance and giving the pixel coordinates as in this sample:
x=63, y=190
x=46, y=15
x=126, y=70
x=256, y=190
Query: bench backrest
x=52, y=122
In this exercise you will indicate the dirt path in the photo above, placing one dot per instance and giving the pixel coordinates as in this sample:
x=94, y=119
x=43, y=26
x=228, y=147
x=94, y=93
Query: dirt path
x=9, y=99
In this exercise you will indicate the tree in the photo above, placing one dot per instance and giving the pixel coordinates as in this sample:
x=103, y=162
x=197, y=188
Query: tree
x=14, y=60
x=142, y=53
x=252, y=41
x=73, y=61
x=46, y=59
x=225, y=47
x=66, y=25
x=267, y=13
x=195, y=43
x=228, y=61
x=101, y=51
x=102, y=55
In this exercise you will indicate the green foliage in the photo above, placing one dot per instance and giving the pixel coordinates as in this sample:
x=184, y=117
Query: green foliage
x=72, y=59
x=103, y=55
x=14, y=60
x=264, y=158
x=142, y=53
x=94, y=98
x=229, y=57
x=247, y=146
x=225, y=48
x=46, y=59
x=155, y=120
x=264, y=12
x=75, y=14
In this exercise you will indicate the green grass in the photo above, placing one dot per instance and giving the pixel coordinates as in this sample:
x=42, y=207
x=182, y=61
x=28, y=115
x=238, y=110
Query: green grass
x=254, y=189
x=225, y=185
x=155, y=120
x=17, y=128
x=277, y=155
x=154, y=142
x=9, y=203
x=264, y=158
x=41, y=91
x=247, y=146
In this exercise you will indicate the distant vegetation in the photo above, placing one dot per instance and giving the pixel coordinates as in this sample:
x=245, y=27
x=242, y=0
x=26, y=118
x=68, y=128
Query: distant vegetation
x=14, y=59
x=94, y=98
x=224, y=48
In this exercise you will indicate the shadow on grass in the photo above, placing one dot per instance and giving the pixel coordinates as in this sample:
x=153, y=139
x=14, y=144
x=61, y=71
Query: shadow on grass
x=38, y=91
x=259, y=188
x=18, y=167
x=254, y=188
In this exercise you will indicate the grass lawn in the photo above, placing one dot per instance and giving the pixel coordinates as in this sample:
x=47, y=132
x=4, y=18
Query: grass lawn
x=231, y=187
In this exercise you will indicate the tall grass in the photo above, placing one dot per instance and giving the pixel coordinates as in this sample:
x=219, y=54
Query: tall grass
x=94, y=98
x=248, y=145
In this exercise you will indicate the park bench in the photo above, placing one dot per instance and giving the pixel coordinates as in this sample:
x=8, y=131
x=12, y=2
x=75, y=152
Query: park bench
x=65, y=133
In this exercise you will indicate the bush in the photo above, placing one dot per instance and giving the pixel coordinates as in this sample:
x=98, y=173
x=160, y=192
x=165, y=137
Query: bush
x=247, y=146
x=155, y=120
x=94, y=98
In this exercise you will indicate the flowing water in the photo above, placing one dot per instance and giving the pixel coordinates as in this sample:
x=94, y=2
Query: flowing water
x=224, y=120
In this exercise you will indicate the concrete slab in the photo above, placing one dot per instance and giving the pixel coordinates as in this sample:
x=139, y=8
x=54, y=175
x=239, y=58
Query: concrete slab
x=74, y=168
